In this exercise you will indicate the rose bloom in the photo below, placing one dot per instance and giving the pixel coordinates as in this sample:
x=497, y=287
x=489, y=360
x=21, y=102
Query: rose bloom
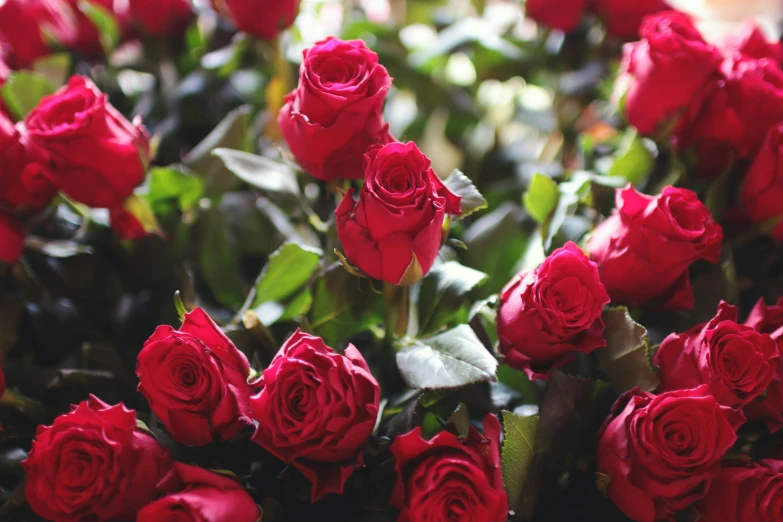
x=195, y=380
x=719, y=17
x=11, y=238
x=5, y=72
x=316, y=409
x=768, y=319
x=394, y=231
x=644, y=250
x=199, y=495
x=448, y=478
x=336, y=112
x=735, y=361
x=624, y=17
x=661, y=452
x=24, y=25
x=564, y=15
x=88, y=38
x=245, y=14
x=762, y=188
x=91, y=152
x=23, y=184
x=752, y=492
x=93, y=463
x=664, y=71
x=549, y=314
x=162, y=17
x=750, y=40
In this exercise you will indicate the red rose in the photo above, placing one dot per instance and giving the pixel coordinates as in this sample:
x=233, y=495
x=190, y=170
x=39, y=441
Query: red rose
x=277, y=15
x=162, y=17
x=751, y=41
x=394, y=232
x=195, y=380
x=125, y=225
x=735, y=361
x=644, y=250
x=198, y=495
x=316, y=410
x=336, y=112
x=661, y=452
x=92, y=153
x=549, y=314
x=768, y=320
x=5, y=72
x=557, y=15
x=23, y=185
x=88, y=39
x=624, y=17
x=447, y=478
x=25, y=26
x=762, y=189
x=93, y=463
x=745, y=493
x=11, y=238
x=664, y=71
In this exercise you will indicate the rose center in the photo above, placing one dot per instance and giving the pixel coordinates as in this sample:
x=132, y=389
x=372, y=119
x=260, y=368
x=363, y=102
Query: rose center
x=336, y=71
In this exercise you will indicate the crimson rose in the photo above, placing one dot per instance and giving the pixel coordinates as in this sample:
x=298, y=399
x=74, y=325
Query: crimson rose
x=738, y=493
x=447, y=478
x=768, y=319
x=316, y=410
x=762, y=190
x=92, y=153
x=11, y=238
x=735, y=361
x=644, y=250
x=25, y=26
x=162, y=17
x=88, y=38
x=93, y=463
x=265, y=19
x=195, y=380
x=394, y=232
x=661, y=452
x=23, y=185
x=549, y=314
x=624, y=17
x=751, y=41
x=664, y=71
x=198, y=495
x=557, y=15
x=336, y=112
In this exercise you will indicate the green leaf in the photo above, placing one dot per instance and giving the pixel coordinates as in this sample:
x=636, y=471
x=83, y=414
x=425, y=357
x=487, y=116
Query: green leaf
x=443, y=293
x=55, y=68
x=288, y=269
x=634, y=160
x=106, y=23
x=472, y=200
x=24, y=90
x=449, y=360
x=624, y=361
x=519, y=448
x=299, y=305
x=218, y=259
x=260, y=172
x=343, y=305
x=541, y=197
x=171, y=183
x=460, y=420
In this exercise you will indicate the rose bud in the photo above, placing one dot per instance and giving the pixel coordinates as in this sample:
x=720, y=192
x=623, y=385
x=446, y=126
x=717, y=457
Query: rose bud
x=751, y=41
x=278, y=15
x=11, y=238
x=195, y=380
x=88, y=38
x=448, y=478
x=91, y=152
x=623, y=18
x=565, y=15
x=162, y=17
x=549, y=314
x=645, y=249
x=735, y=361
x=752, y=492
x=394, y=232
x=762, y=189
x=659, y=453
x=26, y=27
x=23, y=184
x=665, y=70
x=336, y=112
x=316, y=409
x=93, y=463
x=199, y=495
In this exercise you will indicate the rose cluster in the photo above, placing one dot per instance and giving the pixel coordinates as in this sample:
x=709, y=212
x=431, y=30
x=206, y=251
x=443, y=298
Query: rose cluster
x=719, y=103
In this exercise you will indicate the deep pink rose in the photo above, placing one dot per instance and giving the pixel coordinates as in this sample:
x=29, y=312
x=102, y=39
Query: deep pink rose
x=564, y=15
x=198, y=495
x=751, y=41
x=394, y=232
x=277, y=15
x=745, y=492
x=23, y=184
x=88, y=39
x=768, y=319
x=623, y=18
x=91, y=152
x=549, y=314
x=645, y=249
x=11, y=238
x=762, y=188
x=24, y=25
x=316, y=409
x=336, y=112
x=162, y=17
x=660, y=453
x=93, y=463
x=449, y=478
